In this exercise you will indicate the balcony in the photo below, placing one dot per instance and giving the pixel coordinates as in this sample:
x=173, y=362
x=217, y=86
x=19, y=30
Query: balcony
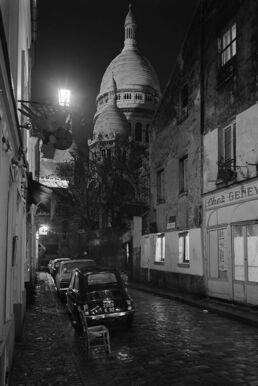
x=226, y=172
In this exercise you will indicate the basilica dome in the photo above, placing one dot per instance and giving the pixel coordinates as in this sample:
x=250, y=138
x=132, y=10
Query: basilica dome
x=130, y=68
x=131, y=104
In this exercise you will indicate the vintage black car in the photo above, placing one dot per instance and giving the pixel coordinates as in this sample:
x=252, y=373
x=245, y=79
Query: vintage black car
x=101, y=295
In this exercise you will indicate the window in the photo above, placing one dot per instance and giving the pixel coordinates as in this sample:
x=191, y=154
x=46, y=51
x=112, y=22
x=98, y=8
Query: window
x=103, y=152
x=227, y=45
x=245, y=245
x=138, y=97
x=138, y=132
x=160, y=186
x=217, y=254
x=227, y=54
x=183, y=162
x=183, y=248
x=160, y=248
x=226, y=153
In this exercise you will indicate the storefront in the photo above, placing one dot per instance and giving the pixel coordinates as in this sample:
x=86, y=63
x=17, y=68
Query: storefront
x=231, y=243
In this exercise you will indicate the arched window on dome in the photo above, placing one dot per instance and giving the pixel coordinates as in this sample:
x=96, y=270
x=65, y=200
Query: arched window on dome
x=109, y=155
x=138, y=132
x=147, y=133
x=138, y=96
x=103, y=152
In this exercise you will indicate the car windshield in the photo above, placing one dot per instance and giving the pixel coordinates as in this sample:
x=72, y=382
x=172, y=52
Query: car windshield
x=70, y=266
x=102, y=278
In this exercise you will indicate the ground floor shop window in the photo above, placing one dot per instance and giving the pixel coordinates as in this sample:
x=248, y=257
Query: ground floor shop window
x=160, y=248
x=217, y=257
x=245, y=251
x=184, y=256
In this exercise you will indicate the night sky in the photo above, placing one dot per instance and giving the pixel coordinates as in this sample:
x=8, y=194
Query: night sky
x=76, y=41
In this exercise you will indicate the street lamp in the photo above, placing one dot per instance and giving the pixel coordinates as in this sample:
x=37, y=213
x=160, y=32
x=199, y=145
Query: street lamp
x=64, y=97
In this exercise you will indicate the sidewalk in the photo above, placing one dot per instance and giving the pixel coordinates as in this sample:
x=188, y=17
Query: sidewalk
x=227, y=309
x=42, y=358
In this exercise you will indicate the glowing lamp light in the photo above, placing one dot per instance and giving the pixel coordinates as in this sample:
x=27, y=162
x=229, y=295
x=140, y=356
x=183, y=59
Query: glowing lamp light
x=64, y=97
x=43, y=230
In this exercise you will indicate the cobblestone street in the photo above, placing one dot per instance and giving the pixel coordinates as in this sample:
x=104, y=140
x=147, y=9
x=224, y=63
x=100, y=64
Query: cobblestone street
x=170, y=344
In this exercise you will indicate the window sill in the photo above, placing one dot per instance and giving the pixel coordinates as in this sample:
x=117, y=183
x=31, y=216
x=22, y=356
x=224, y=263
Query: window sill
x=159, y=262
x=183, y=265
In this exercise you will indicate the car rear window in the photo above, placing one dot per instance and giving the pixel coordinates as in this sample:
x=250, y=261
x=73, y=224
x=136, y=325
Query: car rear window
x=102, y=278
x=71, y=266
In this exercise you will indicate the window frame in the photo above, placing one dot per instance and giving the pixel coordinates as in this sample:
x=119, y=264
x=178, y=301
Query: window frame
x=183, y=173
x=221, y=274
x=231, y=45
x=227, y=163
x=184, y=259
x=160, y=258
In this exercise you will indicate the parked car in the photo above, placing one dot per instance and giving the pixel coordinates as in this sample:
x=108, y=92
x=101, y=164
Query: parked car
x=100, y=293
x=64, y=273
x=54, y=265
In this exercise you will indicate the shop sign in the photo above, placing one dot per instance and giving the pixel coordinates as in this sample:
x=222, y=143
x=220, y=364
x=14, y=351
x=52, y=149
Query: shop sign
x=232, y=196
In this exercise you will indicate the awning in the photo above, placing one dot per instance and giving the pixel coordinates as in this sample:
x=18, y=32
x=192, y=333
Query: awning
x=38, y=193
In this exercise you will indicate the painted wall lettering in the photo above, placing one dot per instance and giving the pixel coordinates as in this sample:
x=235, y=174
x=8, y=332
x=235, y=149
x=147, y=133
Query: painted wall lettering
x=244, y=192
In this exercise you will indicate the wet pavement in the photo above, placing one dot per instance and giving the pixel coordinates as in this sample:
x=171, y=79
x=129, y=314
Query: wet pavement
x=170, y=343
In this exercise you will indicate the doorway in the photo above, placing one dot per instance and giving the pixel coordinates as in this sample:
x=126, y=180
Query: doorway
x=245, y=262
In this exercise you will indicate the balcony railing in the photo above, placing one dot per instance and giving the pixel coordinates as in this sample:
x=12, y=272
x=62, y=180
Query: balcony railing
x=226, y=171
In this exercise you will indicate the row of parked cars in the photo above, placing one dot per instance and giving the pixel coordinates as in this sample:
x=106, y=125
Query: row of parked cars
x=99, y=292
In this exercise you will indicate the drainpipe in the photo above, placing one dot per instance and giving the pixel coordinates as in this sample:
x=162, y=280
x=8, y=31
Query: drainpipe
x=202, y=128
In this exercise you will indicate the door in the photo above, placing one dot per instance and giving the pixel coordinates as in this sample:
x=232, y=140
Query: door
x=245, y=262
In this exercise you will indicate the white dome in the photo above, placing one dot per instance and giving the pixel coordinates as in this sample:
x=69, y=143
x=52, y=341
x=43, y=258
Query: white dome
x=130, y=70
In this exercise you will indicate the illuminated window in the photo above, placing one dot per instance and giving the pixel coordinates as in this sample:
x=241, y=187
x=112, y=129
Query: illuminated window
x=160, y=248
x=184, y=256
x=227, y=45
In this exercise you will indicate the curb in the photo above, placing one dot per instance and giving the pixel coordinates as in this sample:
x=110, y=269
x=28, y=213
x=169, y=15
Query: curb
x=231, y=311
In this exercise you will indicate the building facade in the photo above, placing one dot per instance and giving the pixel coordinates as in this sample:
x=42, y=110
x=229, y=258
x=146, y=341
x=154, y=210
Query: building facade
x=230, y=151
x=171, y=255
x=17, y=25
x=204, y=160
